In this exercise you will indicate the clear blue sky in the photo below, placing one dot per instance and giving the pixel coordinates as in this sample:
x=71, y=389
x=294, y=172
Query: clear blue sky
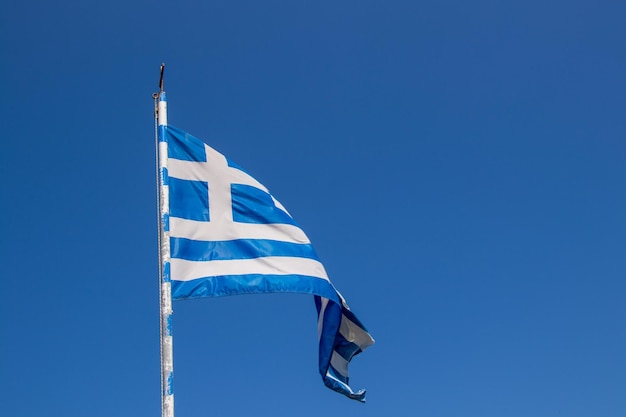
x=458, y=165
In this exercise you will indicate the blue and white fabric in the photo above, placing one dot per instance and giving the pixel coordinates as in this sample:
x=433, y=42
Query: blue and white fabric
x=229, y=235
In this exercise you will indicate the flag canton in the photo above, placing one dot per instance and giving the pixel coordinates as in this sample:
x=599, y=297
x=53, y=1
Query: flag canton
x=204, y=185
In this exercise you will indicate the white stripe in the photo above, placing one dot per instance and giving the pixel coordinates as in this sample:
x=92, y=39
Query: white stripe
x=354, y=333
x=339, y=363
x=183, y=270
x=187, y=170
x=214, y=231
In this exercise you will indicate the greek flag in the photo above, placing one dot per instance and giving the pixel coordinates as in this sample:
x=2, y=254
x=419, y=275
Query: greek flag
x=229, y=235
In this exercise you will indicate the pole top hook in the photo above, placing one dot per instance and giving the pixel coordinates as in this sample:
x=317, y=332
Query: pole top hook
x=161, y=78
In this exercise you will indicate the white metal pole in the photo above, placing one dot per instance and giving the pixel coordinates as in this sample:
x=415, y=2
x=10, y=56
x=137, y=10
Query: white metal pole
x=167, y=353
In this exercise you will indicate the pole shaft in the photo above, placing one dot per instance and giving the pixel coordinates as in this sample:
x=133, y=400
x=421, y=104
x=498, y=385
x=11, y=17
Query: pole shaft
x=167, y=352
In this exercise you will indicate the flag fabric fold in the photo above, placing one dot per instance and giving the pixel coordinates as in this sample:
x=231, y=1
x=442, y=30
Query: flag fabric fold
x=229, y=235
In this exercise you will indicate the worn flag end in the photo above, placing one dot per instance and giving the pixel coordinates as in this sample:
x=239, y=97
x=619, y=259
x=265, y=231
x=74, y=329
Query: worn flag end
x=338, y=383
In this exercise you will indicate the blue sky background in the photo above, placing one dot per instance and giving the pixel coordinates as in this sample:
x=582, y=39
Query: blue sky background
x=458, y=165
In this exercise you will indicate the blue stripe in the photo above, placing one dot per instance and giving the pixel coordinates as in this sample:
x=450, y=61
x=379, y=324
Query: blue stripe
x=252, y=284
x=189, y=199
x=252, y=205
x=197, y=250
x=346, y=348
x=183, y=146
x=162, y=96
x=330, y=327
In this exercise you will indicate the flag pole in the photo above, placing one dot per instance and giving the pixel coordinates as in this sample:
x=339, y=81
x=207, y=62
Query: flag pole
x=165, y=290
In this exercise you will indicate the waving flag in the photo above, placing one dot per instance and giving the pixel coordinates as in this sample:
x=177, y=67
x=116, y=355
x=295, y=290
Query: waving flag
x=228, y=235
